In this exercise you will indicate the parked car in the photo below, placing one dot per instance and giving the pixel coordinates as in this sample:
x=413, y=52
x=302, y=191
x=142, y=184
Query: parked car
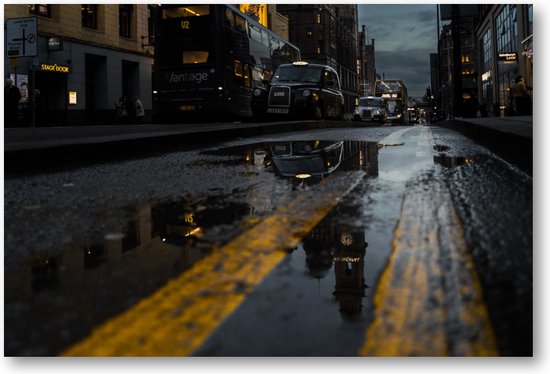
x=302, y=90
x=371, y=108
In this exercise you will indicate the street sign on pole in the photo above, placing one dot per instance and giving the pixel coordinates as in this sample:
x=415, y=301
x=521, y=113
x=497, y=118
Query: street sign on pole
x=21, y=36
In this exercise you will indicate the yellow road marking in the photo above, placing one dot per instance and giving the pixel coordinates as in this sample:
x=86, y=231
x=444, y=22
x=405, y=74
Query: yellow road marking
x=180, y=316
x=429, y=300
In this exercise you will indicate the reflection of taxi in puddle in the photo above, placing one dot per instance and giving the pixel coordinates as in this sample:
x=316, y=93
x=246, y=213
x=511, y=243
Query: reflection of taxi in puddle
x=305, y=159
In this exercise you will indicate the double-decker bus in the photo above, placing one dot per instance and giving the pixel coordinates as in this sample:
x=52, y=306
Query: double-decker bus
x=209, y=58
x=394, y=93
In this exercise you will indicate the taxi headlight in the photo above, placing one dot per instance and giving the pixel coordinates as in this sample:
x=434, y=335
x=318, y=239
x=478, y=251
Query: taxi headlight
x=399, y=115
x=376, y=112
x=306, y=93
x=257, y=92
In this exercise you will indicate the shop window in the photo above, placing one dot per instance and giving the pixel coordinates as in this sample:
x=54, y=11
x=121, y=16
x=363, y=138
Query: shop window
x=125, y=20
x=43, y=10
x=89, y=16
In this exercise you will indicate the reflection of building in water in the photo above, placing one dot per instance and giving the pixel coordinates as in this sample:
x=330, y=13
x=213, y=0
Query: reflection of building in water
x=346, y=247
x=450, y=161
x=318, y=246
x=349, y=264
x=360, y=156
x=93, y=282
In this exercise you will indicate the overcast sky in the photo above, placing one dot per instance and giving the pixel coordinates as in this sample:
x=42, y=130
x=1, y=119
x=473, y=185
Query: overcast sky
x=405, y=35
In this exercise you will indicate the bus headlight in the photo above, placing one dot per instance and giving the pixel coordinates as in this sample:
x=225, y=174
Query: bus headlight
x=306, y=93
x=257, y=92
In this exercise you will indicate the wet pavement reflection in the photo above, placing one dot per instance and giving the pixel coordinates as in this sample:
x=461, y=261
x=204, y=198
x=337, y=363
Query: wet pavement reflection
x=59, y=297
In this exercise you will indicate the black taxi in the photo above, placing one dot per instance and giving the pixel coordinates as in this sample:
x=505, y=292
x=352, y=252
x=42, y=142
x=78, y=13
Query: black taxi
x=301, y=90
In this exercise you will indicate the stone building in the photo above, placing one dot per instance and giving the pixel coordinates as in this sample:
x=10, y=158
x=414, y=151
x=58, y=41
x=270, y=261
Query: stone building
x=87, y=57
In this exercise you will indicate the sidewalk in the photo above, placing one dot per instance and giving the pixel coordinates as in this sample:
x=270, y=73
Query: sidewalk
x=504, y=135
x=509, y=137
x=21, y=139
x=520, y=126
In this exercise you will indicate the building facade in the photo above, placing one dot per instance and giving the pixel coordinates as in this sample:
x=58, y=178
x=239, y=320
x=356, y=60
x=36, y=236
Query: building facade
x=366, y=64
x=496, y=48
x=504, y=39
x=88, y=56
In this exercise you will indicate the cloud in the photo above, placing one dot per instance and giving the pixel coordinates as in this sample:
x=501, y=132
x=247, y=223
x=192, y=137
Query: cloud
x=405, y=35
x=410, y=66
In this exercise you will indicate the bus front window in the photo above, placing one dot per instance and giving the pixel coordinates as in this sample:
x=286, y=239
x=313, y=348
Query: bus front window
x=186, y=11
x=185, y=36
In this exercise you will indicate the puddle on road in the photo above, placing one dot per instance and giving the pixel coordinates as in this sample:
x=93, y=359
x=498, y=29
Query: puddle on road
x=58, y=298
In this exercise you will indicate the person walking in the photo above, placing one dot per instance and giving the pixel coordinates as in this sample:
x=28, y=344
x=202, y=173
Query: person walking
x=121, y=113
x=140, y=112
x=40, y=111
x=130, y=110
x=521, y=98
x=12, y=96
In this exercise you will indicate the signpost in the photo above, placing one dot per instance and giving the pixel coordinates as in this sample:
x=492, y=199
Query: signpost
x=21, y=37
x=21, y=41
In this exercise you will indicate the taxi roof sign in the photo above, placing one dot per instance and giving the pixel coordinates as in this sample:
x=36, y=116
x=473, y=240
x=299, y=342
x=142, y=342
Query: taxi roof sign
x=300, y=63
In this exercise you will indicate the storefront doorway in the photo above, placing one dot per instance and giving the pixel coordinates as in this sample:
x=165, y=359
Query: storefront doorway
x=53, y=91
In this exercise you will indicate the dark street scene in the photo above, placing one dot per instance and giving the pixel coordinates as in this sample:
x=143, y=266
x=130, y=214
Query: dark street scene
x=269, y=180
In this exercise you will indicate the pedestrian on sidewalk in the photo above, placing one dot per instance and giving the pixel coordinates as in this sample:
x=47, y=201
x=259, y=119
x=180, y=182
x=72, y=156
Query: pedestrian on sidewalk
x=140, y=112
x=12, y=95
x=521, y=98
x=130, y=110
x=40, y=108
x=121, y=113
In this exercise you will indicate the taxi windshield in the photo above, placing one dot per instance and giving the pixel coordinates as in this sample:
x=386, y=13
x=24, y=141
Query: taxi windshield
x=297, y=74
x=370, y=102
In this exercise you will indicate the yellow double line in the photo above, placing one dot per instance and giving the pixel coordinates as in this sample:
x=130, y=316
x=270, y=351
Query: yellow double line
x=429, y=300
x=180, y=316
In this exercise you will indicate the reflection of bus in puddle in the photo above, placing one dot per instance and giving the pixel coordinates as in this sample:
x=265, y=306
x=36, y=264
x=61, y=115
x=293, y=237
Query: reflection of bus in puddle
x=182, y=223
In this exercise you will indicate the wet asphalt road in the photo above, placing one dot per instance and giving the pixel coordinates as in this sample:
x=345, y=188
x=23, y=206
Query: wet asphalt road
x=83, y=246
